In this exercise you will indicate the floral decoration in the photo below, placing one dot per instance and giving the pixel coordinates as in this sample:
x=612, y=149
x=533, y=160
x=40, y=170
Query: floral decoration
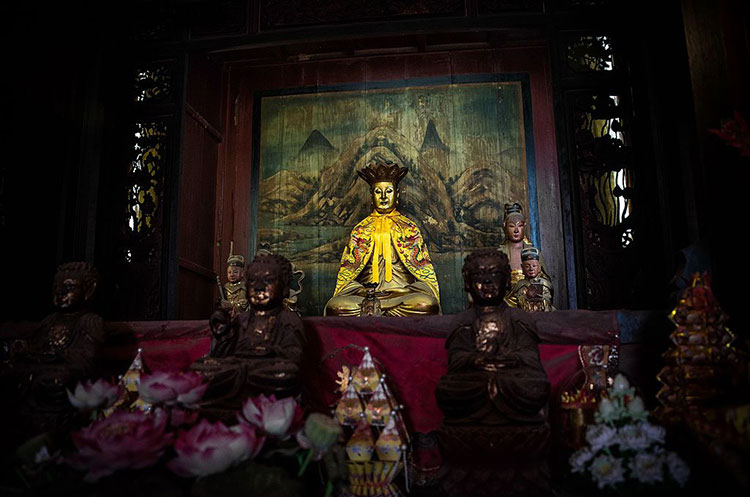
x=277, y=418
x=131, y=448
x=170, y=388
x=624, y=449
x=124, y=440
x=209, y=448
x=89, y=396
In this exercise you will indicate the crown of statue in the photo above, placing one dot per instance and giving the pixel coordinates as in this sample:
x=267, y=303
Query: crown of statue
x=528, y=253
x=84, y=271
x=264, y=259
x=513, y=210
x=382, y=170
x=234, y=259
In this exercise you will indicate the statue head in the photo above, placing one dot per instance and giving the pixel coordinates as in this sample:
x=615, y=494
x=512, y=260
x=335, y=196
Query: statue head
x=530, y=262
x=514, y=222
x=235, y=268
x=486, y=276
x=74, y=286
x=268, y=279
x=383, y=176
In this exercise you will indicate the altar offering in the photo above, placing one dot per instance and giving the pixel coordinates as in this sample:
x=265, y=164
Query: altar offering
x=377, y=441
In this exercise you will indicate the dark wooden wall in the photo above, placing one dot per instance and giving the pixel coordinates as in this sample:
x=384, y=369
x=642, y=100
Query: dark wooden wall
x=717, y=39
x=201, y=137
x=69, y=100
x=530, y=57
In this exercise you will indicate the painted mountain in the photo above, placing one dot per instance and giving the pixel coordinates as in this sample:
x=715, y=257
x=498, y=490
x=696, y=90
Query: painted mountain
x=342, y=199
x=285, y=192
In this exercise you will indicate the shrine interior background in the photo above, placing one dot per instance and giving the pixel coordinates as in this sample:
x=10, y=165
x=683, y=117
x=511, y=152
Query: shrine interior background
x=131, y=137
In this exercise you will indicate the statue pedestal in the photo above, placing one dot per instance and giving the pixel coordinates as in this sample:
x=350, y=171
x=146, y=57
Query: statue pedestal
x=495, y=460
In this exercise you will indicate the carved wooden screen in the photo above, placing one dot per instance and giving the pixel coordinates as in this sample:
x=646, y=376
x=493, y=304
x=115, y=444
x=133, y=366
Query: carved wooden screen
x=603, y=183
x=139, y=255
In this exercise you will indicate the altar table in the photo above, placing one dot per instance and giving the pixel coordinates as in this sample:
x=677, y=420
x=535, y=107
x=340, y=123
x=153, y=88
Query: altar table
x=411, y=351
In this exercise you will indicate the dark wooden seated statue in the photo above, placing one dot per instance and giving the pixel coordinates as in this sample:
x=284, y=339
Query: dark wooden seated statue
x=260, y=350
x=64, y=350
x=495, y=393
x=495, y=375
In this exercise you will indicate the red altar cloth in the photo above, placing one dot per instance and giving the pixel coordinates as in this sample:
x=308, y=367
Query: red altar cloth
x=410, y=350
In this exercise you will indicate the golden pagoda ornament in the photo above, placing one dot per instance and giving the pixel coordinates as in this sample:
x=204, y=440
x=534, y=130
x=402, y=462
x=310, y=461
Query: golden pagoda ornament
x=702, y=366
x=377, y=440
x=349, y=409
x=366, y=378
x=378, y=409
x=705, y=381
x=130, y=381
x=361, y=445
x=389, y=445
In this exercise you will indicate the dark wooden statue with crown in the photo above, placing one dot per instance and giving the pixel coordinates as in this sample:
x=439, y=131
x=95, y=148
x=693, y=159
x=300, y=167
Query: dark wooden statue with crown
x=62, y=351
x=494, y=396
x=259, y=350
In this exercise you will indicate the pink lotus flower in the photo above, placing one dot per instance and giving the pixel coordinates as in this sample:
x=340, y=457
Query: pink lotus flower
x=123, y=440
x=90, y=396
x=170, y=388
x=210, y=448
x=278, y=418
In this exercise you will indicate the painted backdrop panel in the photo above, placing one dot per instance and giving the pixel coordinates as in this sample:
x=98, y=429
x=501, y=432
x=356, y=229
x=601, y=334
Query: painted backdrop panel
x=466, y=146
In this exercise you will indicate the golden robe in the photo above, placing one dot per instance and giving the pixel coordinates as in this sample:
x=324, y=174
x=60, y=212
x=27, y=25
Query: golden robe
x=517, y=295
x=387, y=249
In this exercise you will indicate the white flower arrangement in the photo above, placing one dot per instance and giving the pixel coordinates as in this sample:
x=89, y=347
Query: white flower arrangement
x=624, y=447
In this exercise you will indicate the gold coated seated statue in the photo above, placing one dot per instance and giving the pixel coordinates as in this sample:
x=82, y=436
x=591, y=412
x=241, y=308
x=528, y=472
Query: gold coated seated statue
x=260, y=350
x=385, y=249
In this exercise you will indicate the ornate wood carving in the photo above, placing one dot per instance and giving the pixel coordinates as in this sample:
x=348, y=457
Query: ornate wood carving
x=275, y=15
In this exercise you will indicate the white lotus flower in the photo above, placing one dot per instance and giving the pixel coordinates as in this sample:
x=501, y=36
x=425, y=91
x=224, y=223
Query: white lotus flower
x=654, y=433
x=646, y=467
x=96, y=395
x=678, y=469
x=606, y=409
x=621, y=387
x=621, y=383
x=632, y=437
x=579, y=459
x=637, y=410
x=600, y=436
x=607, y=471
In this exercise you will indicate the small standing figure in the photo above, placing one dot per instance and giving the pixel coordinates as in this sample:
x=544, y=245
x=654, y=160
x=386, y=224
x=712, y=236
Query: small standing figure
x=259, y=350
x=534, y=292
x=62, y=351
x=234, y=294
